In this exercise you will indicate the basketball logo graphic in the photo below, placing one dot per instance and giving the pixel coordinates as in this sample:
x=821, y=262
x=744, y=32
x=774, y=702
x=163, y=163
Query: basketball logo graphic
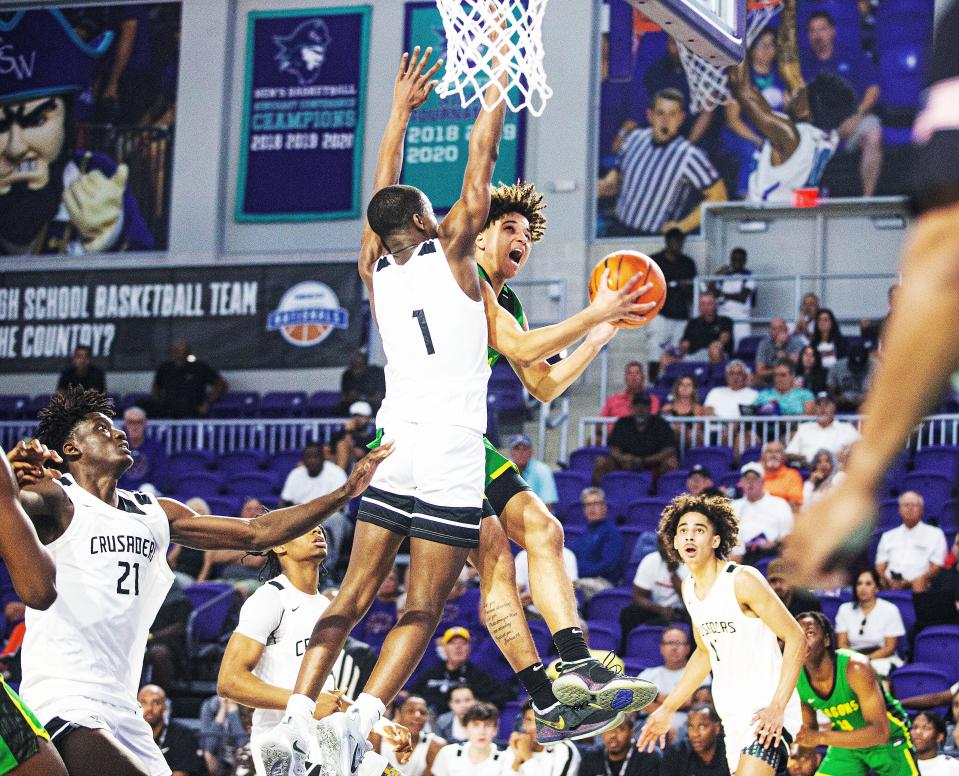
x=307, y=314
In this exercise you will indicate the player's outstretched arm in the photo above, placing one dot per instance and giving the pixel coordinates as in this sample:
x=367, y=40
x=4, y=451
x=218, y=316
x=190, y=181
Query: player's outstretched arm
x=528, y=347
x=778, y=129
x=30, y=565
x=753, y=590
x=547, y=381
x=787, y=50
x=862, y=680
x=210, y=532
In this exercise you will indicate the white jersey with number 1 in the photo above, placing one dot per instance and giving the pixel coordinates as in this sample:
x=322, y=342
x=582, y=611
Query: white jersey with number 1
x=770, y=182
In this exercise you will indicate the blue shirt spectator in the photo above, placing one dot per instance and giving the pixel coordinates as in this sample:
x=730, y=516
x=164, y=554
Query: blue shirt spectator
x=536, y=473
x=598, y=550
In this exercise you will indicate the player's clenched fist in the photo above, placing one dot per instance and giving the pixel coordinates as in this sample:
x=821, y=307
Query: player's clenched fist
x=95, y=205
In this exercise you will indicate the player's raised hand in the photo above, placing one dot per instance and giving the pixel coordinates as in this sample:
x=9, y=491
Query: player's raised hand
x=622, y=304
x=365, y=468
x=655, y=730
x=398, y=737
x=768, y=726
x=413, y=85
x=29, y=462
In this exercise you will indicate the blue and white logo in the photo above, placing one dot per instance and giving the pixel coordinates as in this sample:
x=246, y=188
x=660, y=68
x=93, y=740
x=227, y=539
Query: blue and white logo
x=307, y=314
x=303, y=51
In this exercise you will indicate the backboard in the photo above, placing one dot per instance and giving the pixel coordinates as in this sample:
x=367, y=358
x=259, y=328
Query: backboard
x=714, y=29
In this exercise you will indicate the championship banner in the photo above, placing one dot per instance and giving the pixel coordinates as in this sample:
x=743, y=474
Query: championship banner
x=271, y=316
x=301, y=143
x=437, y=141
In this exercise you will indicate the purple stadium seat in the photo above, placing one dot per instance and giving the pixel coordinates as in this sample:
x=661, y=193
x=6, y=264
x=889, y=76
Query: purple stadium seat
x=888, y=515
x=283, y=463
x=943, y=459
x=210, y=622
x=631, y=534
x=935, y=489
x=582, y=459
x=746, y=348
x=226, y=506
x=607, y=604
x=569, y=484
x=488, y=657
x=698, y=370
x=462, y=611
x=894, y=474
x=185, y=463
x=671, y=484
x=133, y=400
x=324, y=404
x=949, y=519
x=261, y=485
x=572, y=533
x=240, y=461
x=644, y=513
x=13, y=407
x=830, y=604
x=718, y=459
x=903, y=601
x=236, y=404
x=730, y=480
x=283, y=404
x=509, y=717
x=919, y=679
x=643, y=642
x=750, y=454
x=623, y=487
x=939, y=646
x=542, y=638
x=199, y=484
x=603, y=635
x=575, y=517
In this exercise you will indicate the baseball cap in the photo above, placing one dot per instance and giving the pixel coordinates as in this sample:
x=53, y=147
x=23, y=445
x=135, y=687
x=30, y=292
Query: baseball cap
x=776, y=569
x=361, y=408
x=520, y=439
x=753, y=468
x=823, y=395
x=642, y=398
x=701, y=470
x=451, y=633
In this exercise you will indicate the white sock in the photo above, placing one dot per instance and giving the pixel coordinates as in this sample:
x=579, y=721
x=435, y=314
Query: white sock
x=300, y=708
x=369, y=709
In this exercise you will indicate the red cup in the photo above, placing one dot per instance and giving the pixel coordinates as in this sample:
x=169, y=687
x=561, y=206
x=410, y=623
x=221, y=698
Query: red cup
x=806, y=197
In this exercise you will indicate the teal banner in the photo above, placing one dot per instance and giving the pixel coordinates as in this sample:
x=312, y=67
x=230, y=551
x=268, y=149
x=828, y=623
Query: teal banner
x=437, y=141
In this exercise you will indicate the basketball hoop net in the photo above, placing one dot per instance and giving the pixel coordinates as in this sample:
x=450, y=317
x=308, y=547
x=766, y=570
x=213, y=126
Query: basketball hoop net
x=708, y=85
x=484, y=39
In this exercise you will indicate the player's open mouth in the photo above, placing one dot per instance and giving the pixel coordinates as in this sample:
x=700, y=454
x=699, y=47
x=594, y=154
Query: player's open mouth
x=516, y=255
x=689, y=549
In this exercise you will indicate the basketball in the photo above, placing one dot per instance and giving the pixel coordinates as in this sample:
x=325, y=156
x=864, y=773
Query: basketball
x=622, y=266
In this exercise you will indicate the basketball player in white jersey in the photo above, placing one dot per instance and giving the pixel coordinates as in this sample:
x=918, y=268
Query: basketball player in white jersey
x=262, y=657
x=737, y=619
x=412, y=714
x=83, y=655
x=797, y=146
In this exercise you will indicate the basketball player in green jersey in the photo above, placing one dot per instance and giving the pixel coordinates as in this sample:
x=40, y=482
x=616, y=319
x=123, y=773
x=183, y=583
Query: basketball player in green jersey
x=870, y=729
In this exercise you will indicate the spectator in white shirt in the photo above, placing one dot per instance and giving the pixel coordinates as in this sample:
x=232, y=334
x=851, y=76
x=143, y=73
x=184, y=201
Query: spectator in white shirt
x=909, y=556
x=725, y=400
x=449, y=725
x=871, y=625
x=764, y=520
x=533, y=759
x=823, y=433
x=675, y=646
x=522, y=576
x=656, y=594
x=479, y=755
x=928, y=732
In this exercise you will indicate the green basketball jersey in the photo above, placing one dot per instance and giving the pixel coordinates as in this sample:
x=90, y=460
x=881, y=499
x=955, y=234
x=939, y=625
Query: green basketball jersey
x=842, y=705
x=508, y=301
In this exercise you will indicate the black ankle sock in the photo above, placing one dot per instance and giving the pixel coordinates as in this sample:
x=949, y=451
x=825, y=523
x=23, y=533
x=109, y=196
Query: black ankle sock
x=571, y=645
x=537, y=684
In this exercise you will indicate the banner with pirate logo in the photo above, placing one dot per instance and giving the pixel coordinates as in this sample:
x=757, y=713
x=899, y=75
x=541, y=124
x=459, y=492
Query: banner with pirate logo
x=268, y=316
x=301, y=143
x=87, y=104
x=437, y=141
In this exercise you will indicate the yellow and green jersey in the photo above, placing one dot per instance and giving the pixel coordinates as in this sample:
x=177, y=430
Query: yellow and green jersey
x=508, y=301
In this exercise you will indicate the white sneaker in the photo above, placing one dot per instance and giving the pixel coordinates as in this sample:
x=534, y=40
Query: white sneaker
x=283, y=750
x=342, y=744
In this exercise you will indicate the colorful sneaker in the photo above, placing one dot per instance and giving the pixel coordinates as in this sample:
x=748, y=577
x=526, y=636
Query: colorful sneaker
x=561, y=722
x=283, y=750
x=341, y=743
x=589, y=681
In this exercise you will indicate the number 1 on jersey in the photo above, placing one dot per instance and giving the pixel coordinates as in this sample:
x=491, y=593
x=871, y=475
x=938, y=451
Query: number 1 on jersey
x=420, y=316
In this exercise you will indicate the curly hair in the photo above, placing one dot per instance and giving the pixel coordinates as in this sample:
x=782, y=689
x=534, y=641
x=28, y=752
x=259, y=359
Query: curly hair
x=716, y=509
x=823, y=622
x=272, y=567
x=61, y=416
x=522, y=198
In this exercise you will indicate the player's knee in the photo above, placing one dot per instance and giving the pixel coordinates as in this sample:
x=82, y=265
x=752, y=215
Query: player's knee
x=547, y=535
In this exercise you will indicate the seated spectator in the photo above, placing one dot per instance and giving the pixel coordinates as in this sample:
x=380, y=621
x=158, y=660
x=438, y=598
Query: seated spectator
x=657, y=171
x=704, y=329
x=187, y=562
x=703, y=752
x=725, y=400
x=735, y=293
x=810, y=372
x=82, y=371
x=239, y=568
x=177, y=742
x=522, y=576
x=620, y=405
x=598, y=550
x=536, y=473
x=849, y=378
x=362, y=381
x=779, y=345
x=456, y=670
x=764, y=520
x=928, y=733
x=805, y=323
x=824, y=475
x=657, y=597
x=618, y=755
x=222, y=732
x=449, y=725
x=350, y=443
x=684, y=403
x=185, y=387
x=643, y=442
x=827, y=339
x=795, y=599
x=531, y=758
x=317, y=476
x=940, y=604
x=166, y=653
x=413, y=714
x=908, y=557
x=802, y=762
x=870, y=625
x=479, y=755
x=823, y=433
x=149, y=469
x=778, y=478
x=863, y=130
x=675, y=646
x=700, y=482
x=785, y=398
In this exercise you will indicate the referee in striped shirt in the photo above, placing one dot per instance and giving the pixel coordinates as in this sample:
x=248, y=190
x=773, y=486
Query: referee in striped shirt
x=660, y=176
